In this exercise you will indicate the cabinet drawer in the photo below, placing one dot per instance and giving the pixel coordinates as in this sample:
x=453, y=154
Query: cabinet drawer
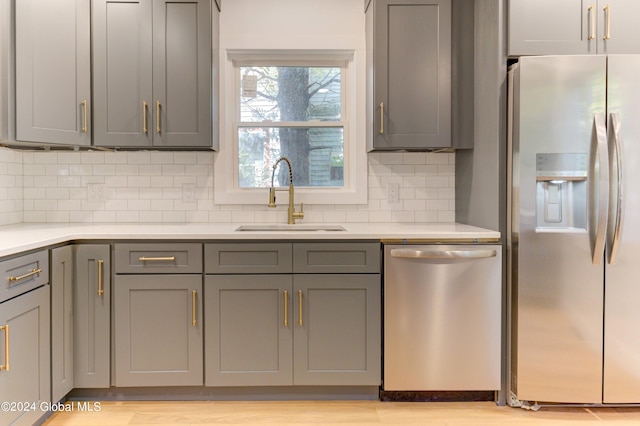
x=336, y=258
x=266, y=258
x=149, y=258
x=23, y=273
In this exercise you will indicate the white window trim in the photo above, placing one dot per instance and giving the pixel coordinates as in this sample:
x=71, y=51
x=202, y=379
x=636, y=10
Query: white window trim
x=226, y=190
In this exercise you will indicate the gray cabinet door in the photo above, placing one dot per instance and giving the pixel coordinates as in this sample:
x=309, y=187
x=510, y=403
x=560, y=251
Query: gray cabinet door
x=27, y=380
x=122, y=73
x=92, y=316
x=182, y=73
x=551, y=27
x=618, y=26
x=61, y=322
x=410, y=43
x=248, y=326
x=538, y=27
x=337, y=325
x=158, y=330
x=53, y=83
x=152, y=73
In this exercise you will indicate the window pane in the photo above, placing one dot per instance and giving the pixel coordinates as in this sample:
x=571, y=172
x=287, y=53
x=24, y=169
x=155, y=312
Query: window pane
x=316, y=154
x=290, y=94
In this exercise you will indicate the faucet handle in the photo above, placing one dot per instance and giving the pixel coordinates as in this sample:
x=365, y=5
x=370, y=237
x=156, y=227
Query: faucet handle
x=302, y=208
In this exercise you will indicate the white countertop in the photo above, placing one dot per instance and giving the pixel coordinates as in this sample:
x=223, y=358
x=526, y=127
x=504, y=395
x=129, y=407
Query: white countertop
x=22, y=237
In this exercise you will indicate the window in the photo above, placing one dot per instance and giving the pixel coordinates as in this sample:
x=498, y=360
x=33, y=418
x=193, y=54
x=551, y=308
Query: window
x=297, y=104
x=294, y=111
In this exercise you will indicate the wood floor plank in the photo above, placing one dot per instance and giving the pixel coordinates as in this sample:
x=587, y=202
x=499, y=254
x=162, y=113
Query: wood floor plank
x=342, y=413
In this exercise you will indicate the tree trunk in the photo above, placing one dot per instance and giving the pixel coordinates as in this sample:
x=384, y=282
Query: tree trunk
x=293, y=101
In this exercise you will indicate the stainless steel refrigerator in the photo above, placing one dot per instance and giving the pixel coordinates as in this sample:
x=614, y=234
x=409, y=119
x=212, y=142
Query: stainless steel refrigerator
x=574, y=229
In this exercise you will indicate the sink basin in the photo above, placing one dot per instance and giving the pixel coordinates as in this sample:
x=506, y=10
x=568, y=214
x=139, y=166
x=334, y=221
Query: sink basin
x=279, y=227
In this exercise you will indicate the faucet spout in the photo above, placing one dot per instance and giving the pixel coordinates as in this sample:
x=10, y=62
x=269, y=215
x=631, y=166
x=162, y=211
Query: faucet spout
x=292, y=215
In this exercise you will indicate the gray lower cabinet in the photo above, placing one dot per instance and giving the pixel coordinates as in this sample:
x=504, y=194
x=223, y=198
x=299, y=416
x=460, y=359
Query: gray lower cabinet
x=25, y=374
x=53, y=65
x=336, y=330
x=158, y=330
x=152, y=73
x=248, y=325
x=92, y=316
x=61, y=322
x=294, y=326
x=409, y=54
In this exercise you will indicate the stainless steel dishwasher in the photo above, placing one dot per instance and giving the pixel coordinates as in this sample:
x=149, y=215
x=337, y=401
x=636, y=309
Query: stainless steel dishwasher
x=442, y=314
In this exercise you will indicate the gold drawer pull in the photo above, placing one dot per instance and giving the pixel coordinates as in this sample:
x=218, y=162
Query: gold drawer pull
x=27, y=275
x=5, y=367
x=158, y=128
x=299, y=307
x=157, y=259
x=607, y=27
x=145, y=128
x=84, y=116
x=193, y=307
x=100, y=277
x=286, y=314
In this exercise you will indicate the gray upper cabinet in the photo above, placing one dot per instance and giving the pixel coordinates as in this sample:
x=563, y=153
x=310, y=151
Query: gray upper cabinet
x=92, y=316
x=53, y=82
x=61, y=322
x=409, y=58
x=152, y=73
x=550, y=27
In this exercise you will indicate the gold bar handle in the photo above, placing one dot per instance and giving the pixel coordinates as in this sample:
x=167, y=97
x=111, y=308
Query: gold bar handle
x=145, y=107
x=193, y=307
x=27, y=275
x=286, y=314
x=299, y=307
x=5, y=367
x=607, y=25
x=382, y=118
x=157, y=259
x=592, y=23
x=84, y=116
x=157, y=116
x=100, y=277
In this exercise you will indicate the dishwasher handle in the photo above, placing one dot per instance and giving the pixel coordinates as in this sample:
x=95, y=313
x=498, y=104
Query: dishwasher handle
x=442, y=254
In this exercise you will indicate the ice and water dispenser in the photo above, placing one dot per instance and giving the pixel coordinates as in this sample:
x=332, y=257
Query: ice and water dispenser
x=561, y=191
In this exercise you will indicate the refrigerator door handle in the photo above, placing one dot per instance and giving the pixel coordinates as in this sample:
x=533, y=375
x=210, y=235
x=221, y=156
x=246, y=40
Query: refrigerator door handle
x=617, y=199
x=599, y=189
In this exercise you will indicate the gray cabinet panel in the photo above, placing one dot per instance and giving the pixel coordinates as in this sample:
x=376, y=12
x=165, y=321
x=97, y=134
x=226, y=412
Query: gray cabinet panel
x=23, y=273
x=411, y=48
x=336, y=258
x=248, y=338
x=153, y=258
x=7, y=70
x=92, y=316
x=122, y=70
x=182, y=72
x=549, y=27
x=338, y=342
x=28, y=378
x=152, y=73
x=248, y=258
x=61, y=322
x=53, y=85
x=158, y=335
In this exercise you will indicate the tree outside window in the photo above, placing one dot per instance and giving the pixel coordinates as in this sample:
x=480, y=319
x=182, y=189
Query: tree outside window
x=292, y=111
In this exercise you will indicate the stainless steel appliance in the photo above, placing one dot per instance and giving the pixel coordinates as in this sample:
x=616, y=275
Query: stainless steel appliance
x=442, y=314
x=574, y=233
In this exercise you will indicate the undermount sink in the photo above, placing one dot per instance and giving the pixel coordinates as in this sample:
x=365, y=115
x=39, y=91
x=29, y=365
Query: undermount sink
x=279, y=227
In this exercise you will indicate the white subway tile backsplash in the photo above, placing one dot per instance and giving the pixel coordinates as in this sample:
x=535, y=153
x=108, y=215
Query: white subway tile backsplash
x=147, y=186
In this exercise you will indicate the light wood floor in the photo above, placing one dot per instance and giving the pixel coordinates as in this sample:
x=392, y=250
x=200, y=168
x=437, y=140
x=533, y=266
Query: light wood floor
x=343, y=413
